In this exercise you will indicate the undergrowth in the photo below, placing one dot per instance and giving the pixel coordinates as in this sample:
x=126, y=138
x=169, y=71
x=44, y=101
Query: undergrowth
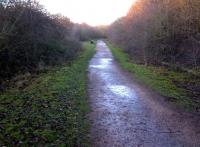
x=51, y=111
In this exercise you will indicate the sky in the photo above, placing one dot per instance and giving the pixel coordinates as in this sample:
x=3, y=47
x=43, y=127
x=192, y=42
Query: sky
x=92, y=12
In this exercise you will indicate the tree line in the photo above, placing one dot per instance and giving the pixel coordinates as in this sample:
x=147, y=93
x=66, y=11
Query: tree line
x=31, y=38
x=160, y=31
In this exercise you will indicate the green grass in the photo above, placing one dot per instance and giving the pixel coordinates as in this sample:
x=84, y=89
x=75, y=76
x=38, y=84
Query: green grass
x=52, y=110
x=159, y=79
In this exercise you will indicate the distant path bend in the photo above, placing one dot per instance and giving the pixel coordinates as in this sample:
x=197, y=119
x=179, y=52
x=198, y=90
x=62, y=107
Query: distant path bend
x=126, y=114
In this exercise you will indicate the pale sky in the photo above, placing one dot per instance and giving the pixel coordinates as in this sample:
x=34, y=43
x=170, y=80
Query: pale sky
x=92, y=12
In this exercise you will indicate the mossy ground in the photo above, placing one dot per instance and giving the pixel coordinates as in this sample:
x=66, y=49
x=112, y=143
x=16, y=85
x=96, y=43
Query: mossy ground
x=52, y=110
x=166, y=82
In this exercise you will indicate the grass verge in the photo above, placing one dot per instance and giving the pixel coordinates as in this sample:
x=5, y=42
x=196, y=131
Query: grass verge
x=166, y=82
x=51, y=111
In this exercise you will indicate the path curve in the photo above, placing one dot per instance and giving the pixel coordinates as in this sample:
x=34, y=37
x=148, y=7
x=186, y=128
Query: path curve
x=125, y=114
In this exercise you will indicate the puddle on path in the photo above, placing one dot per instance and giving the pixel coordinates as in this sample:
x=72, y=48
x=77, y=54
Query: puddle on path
x=122, y=90
x=103, y=63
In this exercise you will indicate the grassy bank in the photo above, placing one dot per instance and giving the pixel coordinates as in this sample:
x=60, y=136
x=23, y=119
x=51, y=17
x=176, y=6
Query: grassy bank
x=51, y=111
x=166, y=82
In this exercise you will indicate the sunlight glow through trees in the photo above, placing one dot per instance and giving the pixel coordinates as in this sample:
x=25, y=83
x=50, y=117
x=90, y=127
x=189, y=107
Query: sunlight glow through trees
x=93, y=12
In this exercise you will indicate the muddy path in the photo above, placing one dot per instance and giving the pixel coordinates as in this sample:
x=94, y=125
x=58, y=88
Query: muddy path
x=126, y=114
